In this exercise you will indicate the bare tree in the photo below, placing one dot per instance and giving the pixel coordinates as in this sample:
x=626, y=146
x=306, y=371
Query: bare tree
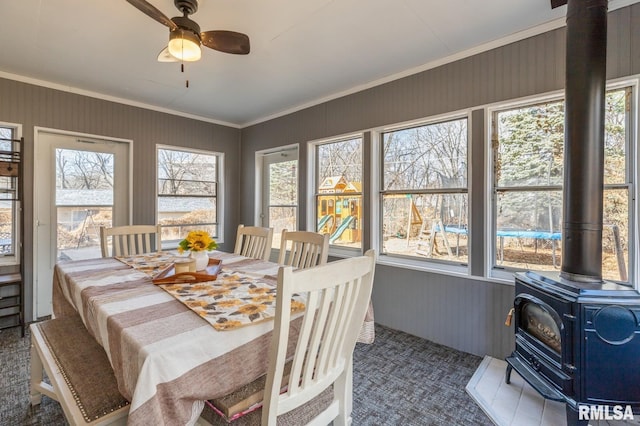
x=183, y=172
x=84, y=169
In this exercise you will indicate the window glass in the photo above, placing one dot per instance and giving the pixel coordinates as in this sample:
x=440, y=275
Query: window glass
x=615, y=137
x=281, y=196
x=424, y=196
x=528, y=179
x=187, y=193
x=339, y=192
x=84, y=200
x=8, y=195
x=539, y=161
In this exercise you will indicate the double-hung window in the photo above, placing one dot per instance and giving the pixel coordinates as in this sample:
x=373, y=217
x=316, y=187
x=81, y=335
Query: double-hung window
x=188, y=192
x=424, y=194
x=338, y=191
x=9, y=226
x=528, y=156
x=280, y=192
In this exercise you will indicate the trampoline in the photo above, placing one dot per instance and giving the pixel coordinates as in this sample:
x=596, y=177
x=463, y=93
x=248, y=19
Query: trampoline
x=513, y=233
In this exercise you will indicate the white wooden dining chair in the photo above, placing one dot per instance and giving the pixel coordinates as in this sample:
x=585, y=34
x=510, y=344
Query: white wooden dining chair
x=130, y=240
x=338, y=295
x=254, y=241
x=305, y=249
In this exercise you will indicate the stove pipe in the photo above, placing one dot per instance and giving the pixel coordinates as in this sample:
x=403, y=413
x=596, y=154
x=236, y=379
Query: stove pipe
x=584, y=140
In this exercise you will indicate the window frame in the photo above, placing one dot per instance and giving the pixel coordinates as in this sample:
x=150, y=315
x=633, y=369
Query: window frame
x=505, y=273
x=462, y=269
x=261, y=193
x=219, y=197
x=314, y=183
x=14, y=258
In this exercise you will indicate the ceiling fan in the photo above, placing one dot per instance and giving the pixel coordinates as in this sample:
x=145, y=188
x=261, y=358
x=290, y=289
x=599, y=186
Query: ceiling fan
x=185, y=37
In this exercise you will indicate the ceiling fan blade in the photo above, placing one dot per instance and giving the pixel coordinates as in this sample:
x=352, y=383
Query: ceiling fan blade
x=165, y=56
x=226, y=41
x=151, y=11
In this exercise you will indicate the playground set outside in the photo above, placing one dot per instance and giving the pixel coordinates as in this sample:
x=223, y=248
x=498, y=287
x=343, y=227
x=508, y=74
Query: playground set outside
x=339, y=211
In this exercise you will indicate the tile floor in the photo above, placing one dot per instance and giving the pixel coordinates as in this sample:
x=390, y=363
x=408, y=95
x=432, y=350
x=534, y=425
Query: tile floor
x=517, y=404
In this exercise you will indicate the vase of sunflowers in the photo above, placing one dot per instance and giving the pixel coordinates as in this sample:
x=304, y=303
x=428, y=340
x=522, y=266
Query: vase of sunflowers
x=198, y=243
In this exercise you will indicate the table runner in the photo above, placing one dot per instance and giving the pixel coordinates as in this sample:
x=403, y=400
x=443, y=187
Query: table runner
x=233, y=300
x=151, y=264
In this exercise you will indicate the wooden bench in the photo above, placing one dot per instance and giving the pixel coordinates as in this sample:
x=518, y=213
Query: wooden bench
x=81, y=376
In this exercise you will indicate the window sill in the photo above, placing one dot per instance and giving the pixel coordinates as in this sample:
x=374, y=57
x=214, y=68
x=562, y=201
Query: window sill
x=9, y=261
x=452, y=270
x=343, y=252
x=504, y=275
x=457, y=270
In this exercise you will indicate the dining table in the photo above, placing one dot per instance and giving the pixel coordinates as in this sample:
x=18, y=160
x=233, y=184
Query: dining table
x=167, y=357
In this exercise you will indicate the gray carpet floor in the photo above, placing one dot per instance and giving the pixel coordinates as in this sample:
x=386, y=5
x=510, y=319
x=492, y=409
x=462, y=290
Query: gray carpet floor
x=398, y=380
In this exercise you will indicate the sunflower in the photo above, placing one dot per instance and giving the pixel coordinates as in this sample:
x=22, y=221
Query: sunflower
x=231, y=285
x=199, y=287
x=197, y=241
x=263, y=298
x=228, y=303
x=218, y=292
x=172, y=287
x=250, y=309
x=296, y=306
x=227, y=325
x=195, y=303
x=230, y=280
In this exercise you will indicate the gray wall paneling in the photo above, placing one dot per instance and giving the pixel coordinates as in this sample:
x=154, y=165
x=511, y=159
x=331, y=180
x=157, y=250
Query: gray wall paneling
x=35, y=106
x=463, y=313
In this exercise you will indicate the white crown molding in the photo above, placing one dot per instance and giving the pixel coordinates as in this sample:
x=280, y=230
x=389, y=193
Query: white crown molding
x=102, y=96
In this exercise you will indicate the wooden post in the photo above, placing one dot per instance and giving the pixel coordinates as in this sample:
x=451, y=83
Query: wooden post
x=622, y=268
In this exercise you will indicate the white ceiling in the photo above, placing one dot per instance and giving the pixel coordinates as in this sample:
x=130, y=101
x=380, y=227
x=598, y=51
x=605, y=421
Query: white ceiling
x=302, y=51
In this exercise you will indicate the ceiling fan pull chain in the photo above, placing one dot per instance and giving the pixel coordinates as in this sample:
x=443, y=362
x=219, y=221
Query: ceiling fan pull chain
x=182, y=69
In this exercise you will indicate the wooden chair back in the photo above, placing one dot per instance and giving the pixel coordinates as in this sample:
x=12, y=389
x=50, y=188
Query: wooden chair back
x=308, y=249
x=254, y=241
x=130, y=240
x=338, y=295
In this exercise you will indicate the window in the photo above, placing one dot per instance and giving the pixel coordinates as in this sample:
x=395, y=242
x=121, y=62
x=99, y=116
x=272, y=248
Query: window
x=85, y=196
x=9, y=232
x=528, y=178
x=424, y=192
x=280, y=192
x=188, y=192
x=338, y=191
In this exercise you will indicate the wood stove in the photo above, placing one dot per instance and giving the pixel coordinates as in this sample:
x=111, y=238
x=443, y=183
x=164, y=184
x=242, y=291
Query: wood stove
x=577, y=342
x=577, y=336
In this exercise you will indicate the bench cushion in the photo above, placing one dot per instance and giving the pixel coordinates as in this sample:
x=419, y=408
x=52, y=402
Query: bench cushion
x=84, y=365
x=242, y=407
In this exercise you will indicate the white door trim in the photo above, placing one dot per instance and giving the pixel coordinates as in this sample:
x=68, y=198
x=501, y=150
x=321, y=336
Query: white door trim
x=38, y=193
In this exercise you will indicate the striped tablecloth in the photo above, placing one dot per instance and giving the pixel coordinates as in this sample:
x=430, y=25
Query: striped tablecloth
x=167, y=359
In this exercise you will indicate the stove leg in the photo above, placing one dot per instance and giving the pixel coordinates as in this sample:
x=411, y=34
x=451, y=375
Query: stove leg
x=507, y=374
x=573, y=419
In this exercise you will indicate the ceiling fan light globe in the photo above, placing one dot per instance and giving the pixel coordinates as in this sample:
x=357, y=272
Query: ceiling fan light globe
x=184, y=45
